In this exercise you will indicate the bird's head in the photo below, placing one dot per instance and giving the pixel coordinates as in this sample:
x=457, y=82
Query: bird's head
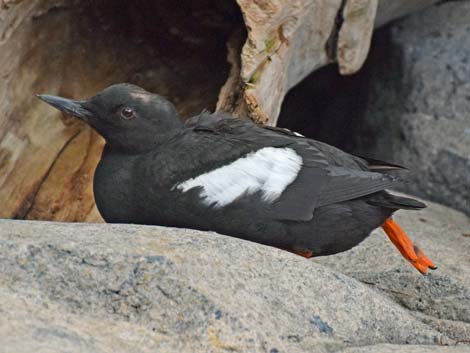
x=127, y=116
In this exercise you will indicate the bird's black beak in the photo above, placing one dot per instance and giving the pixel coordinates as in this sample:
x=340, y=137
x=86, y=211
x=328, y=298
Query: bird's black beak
x=69, y=106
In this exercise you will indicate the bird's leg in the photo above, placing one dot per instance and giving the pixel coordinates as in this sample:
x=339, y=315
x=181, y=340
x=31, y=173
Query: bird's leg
x=304, y=253
x=406, y=247
x=424, y=259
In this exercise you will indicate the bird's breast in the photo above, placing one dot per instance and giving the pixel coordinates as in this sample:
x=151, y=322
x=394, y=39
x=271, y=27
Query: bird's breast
x=113, y=188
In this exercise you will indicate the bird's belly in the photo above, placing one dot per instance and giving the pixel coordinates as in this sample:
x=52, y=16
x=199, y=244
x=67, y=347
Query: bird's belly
x=339, y=227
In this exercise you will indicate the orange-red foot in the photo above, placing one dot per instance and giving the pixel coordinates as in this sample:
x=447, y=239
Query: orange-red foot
x=406, y=247
x=304, y=253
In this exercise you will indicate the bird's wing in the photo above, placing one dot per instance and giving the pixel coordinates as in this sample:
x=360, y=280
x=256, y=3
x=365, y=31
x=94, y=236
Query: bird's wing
x=233, y=158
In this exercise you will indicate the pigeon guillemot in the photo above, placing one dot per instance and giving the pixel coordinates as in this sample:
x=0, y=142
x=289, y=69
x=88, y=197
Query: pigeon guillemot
x=215, y=172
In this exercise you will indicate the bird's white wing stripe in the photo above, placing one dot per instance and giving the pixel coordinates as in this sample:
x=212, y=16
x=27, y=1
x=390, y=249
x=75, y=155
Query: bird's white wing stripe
x=269, y=170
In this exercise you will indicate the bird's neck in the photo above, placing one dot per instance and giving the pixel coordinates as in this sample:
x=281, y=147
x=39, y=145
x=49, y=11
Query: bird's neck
x=140, y=144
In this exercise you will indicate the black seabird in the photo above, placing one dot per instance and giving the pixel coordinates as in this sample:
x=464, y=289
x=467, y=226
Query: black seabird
x=215, y=172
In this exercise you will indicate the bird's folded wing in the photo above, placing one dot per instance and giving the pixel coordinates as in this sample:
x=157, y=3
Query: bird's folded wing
x=315, y=187
x=263, y=160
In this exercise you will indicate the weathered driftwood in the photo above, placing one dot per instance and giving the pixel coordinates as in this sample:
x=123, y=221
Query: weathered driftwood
x=287, y=40
x=75, y=48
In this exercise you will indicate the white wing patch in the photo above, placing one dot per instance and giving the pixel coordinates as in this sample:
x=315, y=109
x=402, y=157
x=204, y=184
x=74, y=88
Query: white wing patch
x=269, y=171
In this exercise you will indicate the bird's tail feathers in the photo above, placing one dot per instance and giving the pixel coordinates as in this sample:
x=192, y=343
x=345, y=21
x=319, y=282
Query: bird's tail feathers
x=396, y=202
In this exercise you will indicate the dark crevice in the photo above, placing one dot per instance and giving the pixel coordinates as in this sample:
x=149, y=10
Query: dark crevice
x=176, y=49
x=331, y=44
x=383, y=112
x=332, y=108
x=443, y=2
x=327, y=107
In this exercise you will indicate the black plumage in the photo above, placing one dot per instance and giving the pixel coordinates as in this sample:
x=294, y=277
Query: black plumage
x=333, y=203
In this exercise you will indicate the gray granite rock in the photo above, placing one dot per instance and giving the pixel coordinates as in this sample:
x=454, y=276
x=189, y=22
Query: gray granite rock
x=392, y=348
x=418, y=109
x=438, y=151
x=125, y=288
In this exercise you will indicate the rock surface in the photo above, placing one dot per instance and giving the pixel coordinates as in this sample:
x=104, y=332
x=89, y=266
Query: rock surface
x=441, y=299
x=126, y=288
x=418, y=111
x=392, y=348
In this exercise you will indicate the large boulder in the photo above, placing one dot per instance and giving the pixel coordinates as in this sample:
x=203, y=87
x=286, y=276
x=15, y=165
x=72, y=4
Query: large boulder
x=418, y=110
x=126, y=288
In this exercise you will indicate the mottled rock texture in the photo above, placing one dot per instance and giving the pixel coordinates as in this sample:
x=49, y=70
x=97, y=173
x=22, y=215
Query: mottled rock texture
x=392, y=348
x=125, y=288
x=418, y=110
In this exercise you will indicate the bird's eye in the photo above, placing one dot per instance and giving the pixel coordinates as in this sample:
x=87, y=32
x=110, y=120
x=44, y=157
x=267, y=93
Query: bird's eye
x=127, y=113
